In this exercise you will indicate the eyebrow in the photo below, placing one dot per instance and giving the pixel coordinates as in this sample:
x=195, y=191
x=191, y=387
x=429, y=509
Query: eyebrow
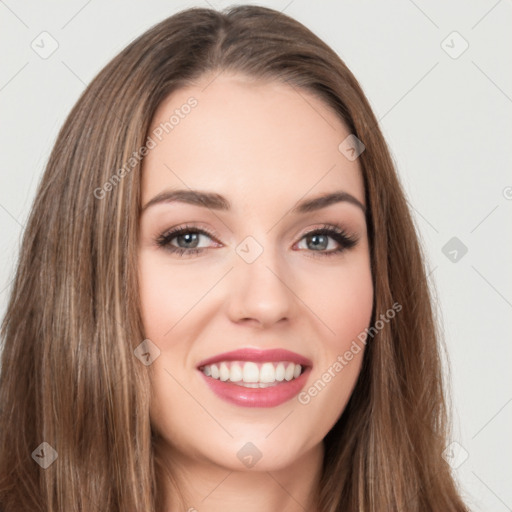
x=216, y=201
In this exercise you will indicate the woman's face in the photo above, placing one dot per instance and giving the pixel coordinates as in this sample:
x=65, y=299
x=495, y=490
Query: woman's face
x=247, y=273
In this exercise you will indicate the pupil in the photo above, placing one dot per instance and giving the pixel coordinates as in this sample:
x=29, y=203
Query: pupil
x=316, y=237
x=190, y=238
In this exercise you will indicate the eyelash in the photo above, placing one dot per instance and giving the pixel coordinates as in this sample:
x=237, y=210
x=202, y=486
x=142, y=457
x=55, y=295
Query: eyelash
x=337, y=233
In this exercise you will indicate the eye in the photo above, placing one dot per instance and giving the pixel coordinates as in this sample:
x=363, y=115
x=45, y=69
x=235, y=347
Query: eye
x=318, y=240
x=187, y=239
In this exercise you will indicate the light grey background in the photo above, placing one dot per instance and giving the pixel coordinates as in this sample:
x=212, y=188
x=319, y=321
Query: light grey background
x=446, y=116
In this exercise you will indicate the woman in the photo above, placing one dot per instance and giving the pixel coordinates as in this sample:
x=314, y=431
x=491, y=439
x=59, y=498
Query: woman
x=221, y=301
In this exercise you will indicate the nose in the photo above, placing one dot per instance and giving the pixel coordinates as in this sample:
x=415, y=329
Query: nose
x=261, y=292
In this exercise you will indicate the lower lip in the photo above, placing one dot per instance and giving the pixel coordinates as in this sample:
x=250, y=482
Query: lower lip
x=257, y=397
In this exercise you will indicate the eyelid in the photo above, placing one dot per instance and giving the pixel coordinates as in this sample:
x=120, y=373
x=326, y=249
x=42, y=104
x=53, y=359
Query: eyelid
x=348, y=237
x=177, y=230
x=323, y=226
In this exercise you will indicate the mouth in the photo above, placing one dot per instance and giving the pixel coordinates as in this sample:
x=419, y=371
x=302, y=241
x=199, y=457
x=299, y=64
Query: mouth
x=256, y=378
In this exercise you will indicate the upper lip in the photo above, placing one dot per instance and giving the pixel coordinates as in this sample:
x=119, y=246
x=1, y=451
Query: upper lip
x=258, y=355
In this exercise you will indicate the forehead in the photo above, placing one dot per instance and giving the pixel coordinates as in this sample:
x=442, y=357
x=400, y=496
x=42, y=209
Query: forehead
x=243, y=137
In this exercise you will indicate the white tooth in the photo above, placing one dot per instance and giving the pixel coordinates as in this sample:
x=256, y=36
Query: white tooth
x=224, y=372
x=280, y=370
x=235, y=374
x=289, y=371
x=267, y=373
x=251, y=372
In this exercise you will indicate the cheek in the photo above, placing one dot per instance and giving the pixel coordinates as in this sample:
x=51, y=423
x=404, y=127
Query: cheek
x=342, y=299
x=167, y=293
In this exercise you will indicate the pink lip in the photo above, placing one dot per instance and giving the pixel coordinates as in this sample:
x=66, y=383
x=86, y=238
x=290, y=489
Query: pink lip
x=256, y=355
x=258, y=397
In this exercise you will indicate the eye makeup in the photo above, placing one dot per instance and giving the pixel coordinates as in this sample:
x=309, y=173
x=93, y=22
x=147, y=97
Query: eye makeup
x=192, y=235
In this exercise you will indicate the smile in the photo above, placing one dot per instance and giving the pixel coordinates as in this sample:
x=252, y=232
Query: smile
x=256, y=378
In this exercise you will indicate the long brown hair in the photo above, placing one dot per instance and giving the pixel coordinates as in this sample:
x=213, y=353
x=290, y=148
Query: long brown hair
x=69, y=377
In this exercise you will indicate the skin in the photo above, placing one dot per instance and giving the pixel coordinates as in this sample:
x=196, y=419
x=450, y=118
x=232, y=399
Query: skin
x=264, y=147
